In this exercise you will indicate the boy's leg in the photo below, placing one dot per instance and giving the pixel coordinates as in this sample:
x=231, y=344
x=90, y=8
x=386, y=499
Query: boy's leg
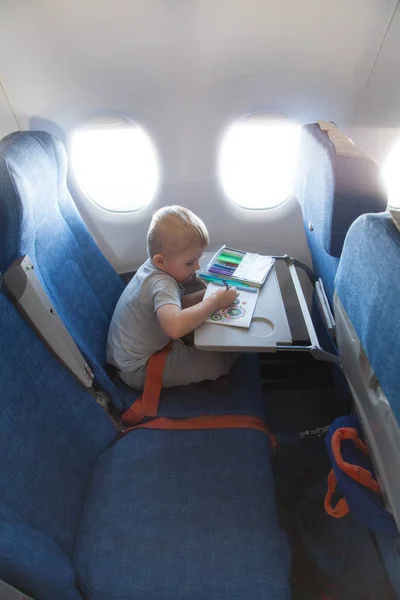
x=135, y=379
x=186, y=364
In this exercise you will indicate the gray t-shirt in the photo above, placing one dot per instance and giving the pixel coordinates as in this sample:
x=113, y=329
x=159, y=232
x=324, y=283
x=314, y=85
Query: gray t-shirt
x=135, y=333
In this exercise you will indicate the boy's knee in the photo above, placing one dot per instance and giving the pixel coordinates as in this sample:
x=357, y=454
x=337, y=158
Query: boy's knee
x=220, y=363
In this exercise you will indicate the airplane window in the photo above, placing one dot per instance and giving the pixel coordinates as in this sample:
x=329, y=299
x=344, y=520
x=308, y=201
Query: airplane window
x=257, y=159
x=392, y=176
x=115, y=164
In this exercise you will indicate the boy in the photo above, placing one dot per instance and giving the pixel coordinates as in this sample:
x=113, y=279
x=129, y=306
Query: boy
x=151, y=311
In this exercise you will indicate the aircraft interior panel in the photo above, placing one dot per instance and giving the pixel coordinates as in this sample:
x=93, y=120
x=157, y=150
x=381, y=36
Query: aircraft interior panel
x=260, y=128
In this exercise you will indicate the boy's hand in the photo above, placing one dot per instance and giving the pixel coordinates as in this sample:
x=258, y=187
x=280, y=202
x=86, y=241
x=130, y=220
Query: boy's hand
x=225, y=297
x=176, y=322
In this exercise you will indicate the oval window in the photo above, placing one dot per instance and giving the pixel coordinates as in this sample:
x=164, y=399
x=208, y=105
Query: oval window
x=391, y=174
x=115, y=164
x=257, y=159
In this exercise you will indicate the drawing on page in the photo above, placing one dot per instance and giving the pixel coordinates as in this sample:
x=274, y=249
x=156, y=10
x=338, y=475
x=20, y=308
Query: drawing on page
x=236, y=310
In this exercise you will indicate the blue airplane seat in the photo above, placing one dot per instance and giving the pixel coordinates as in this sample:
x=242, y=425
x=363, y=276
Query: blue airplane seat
x=335, y=183
x=367, y=312
x=38, y=217
x=367, y=285
x=154, y=515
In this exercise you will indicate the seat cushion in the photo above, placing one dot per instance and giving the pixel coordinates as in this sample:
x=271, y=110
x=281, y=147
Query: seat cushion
x=183, y=514
x=51, y=432
x=245, y=395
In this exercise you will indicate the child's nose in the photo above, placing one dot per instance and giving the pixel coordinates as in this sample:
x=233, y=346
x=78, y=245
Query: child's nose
x=196, y=265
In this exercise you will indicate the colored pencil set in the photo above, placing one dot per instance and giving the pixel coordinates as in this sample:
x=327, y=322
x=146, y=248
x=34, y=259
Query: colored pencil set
x=227, y=266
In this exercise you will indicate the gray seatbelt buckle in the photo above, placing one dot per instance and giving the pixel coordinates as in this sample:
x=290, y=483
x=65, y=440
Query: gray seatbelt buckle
x=317, y=432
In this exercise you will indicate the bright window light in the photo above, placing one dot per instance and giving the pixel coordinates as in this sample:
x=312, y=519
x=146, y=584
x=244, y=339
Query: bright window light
x=257, y=160
x=115, y=164
x=391, y=173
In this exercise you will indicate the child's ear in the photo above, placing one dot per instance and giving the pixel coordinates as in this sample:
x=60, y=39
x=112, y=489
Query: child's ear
x=158, y=261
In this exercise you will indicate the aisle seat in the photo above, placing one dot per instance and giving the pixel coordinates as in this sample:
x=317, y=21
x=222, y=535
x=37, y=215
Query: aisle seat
x=367, y=311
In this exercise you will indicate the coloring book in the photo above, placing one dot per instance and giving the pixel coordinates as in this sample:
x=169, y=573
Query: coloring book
x=238, y=314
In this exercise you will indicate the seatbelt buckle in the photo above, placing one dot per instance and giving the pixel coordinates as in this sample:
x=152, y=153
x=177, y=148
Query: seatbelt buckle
x=317, y=432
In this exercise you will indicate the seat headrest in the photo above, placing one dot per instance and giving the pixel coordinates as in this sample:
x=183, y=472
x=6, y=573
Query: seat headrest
x=335, y=183
x=33, y=169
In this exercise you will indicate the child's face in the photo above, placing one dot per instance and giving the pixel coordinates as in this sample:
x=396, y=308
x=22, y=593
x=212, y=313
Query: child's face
x=183, y=265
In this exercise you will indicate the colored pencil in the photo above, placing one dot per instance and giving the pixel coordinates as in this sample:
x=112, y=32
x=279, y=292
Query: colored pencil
x=231, y=259
x=232, y=283
x=220, y=271
x=233, y=252
x=238, y=286
x=228, y=262
x=223, y=266
x=211, y=277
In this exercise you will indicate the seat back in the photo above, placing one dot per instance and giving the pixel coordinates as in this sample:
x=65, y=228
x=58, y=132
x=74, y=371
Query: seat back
x=334, y=183
x=38, y=217
x=51, y=433
x=367, y=311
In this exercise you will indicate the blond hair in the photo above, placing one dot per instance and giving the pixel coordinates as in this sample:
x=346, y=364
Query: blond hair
x=175, y=229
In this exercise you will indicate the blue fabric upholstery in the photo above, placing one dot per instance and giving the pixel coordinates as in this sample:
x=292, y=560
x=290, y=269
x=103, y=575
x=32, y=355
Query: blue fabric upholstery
x=34, y=563
x=367, y=284
x=158, y=514
x=324, y=265
x=51, y=434
x=245, y=395
x=183, y=514
x=333, y=191
x=38, y=217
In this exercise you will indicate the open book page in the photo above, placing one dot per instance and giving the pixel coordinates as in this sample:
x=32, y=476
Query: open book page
x=254, y=268
x=238, y=314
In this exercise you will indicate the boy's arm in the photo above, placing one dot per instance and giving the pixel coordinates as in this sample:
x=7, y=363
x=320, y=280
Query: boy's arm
x=177, y=322
x=193, y=298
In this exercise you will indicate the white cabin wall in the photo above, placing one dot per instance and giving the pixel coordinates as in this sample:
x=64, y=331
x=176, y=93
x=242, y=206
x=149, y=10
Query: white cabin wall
x=377, y=120
x=184, y=69
x=8, y=123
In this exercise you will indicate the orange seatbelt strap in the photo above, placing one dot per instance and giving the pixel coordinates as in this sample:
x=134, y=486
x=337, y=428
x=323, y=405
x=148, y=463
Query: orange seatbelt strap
x=359, y=474
x=205, y=422
x=208, y=422
x=147, y=403
x=147, y=406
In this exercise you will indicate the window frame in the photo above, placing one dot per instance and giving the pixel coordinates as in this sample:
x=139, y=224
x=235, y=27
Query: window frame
x=275, y=119
x=390, y=171
x=97, y=123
